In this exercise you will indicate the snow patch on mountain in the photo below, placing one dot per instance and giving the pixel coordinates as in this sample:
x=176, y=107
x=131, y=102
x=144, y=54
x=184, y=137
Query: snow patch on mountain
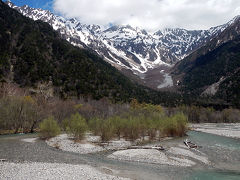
x=167, y=82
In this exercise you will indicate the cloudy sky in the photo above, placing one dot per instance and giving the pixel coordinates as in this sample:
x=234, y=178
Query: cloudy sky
x=148, y=14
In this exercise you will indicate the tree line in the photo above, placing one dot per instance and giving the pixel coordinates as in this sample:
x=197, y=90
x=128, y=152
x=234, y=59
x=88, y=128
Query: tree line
x=23, y=112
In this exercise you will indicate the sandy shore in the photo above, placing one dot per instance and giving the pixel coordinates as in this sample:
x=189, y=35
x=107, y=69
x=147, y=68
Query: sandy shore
x=221, y=129
x=44, y=171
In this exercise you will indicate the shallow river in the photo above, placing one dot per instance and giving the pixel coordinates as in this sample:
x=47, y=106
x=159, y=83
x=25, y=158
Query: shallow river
x=223, y=152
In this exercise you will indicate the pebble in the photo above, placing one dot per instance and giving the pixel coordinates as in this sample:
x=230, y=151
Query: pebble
x=54, y=171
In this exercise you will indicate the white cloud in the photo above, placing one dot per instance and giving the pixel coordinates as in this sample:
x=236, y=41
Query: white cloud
x=151, y=14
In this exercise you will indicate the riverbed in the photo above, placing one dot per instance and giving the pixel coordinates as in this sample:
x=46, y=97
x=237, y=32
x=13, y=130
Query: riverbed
x=222, y=152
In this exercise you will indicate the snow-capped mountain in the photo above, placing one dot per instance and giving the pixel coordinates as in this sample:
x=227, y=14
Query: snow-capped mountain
x=125, y=46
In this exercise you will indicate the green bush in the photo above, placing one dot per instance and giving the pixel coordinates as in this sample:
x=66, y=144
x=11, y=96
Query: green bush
x=105, y=128
x=65, y=124
x=95, y=125
x=49, y=128
x=133, y=128
x=18, y=113
x=175, y=125
x=141, y=120
x=119, y=125
x=77, y=126
x=182, y=123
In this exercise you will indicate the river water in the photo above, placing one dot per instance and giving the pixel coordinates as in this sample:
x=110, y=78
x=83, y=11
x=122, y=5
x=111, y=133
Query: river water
x=223, y=153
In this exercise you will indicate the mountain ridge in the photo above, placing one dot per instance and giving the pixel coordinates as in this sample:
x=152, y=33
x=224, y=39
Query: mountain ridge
x=124, y=46
x=33, y=56
x=213, y=69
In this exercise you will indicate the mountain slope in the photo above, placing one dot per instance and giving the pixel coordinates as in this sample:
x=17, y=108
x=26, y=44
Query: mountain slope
x=214, y=68
x=124, y=46
x=32, y=54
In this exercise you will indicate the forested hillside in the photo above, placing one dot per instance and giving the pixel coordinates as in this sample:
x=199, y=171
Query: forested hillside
x=213, y=69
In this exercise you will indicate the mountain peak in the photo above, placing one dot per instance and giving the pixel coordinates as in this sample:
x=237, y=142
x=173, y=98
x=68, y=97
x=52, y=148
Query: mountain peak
x=127, y=46
x=9, y=3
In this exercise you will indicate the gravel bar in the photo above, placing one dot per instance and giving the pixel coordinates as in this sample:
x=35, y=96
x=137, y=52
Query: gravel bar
x=46, y=171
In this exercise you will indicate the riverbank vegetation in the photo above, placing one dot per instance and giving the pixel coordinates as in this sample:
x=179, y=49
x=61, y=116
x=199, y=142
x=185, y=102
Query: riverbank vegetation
x=23, y=112
x=140, y=121
x=197, y=114
x=49, y=128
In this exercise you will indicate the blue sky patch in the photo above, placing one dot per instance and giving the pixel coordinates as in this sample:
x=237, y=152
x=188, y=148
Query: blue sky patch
x=43, y=4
